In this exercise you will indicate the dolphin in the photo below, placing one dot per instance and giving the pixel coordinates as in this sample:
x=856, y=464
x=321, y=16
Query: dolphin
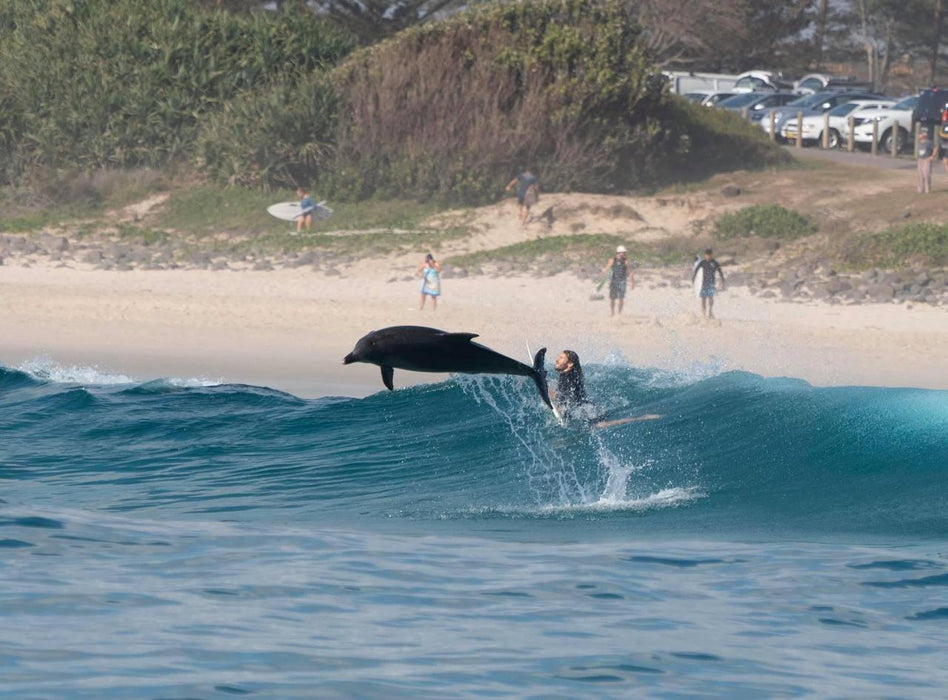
x=424, y=349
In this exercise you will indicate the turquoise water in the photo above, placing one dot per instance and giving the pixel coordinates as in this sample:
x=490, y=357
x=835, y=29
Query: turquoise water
x=763, y=539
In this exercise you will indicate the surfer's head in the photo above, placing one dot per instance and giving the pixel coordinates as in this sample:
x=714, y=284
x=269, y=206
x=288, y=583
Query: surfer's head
x=567, y=361
x=707, y=253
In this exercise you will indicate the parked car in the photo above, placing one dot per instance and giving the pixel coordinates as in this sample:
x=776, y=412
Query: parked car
x=716, y=98
x=761, y=81
x=931, y=111
x=838, y=120
x=816, y=103
x=756, y=104
x=821, y=82
x=901, y=114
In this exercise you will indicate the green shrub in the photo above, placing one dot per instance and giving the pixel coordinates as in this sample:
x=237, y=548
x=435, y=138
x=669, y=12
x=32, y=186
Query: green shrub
x=923, y=243
x=92, y=83
x=764, y=220
x=278, y=137
x=454, y=109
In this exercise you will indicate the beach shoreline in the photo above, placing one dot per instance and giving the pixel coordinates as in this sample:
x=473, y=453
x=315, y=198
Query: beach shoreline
x=289, y=329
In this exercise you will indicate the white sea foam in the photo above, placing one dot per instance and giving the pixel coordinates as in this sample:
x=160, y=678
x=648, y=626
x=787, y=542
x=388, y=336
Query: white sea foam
x=46, y=369
x=666, y=498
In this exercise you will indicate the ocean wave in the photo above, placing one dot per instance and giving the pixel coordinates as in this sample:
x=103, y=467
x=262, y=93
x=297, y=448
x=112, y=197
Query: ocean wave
x=731, y=452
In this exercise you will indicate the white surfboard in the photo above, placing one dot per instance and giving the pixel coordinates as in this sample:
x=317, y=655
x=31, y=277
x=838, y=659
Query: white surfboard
x=290, y=211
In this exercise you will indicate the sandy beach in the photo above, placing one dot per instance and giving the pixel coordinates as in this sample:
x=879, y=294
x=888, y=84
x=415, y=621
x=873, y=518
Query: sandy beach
x=289, y=329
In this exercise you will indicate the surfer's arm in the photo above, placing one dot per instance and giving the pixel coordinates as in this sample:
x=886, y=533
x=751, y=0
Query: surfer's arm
x=608, y=265
x=721, y=272
x=510, y=185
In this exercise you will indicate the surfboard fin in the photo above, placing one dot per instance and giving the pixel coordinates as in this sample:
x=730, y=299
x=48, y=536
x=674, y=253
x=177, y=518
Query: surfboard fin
x=539, y=376
x=388, y=373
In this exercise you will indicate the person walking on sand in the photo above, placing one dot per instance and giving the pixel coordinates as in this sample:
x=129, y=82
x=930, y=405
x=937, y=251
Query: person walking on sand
x=621, y=277
x=528, y=193
x=307, y=209
x=430, y=272
x=926, y=154
x=707, y=268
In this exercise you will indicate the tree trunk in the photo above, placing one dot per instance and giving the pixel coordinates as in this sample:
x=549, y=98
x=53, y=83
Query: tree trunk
x=886, y=56
x=936, y=41
x=819, y=36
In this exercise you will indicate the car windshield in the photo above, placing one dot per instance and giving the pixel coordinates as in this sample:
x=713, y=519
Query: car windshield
x=906, y=104
x=741, y=100
x=807, y=100
x=843, y=109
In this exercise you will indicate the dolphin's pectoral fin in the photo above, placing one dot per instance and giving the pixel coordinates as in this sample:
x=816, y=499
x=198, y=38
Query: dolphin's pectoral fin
x=387, y=374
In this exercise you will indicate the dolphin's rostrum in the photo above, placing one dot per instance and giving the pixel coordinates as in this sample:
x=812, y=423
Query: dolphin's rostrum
x=430, y=350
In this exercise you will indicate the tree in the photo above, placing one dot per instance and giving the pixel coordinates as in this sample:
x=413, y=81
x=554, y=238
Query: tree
x=721, y=34
x=373, y=20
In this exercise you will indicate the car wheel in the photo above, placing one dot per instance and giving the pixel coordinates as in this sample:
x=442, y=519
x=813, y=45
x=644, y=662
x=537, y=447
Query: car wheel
x=834, y=140
x=885, y=143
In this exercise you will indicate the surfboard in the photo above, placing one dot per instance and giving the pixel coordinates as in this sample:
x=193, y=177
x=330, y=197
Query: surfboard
x=290, y=211
x=699, y=279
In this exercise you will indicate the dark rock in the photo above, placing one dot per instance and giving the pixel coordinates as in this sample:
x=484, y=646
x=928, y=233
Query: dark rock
x=730, y=191
x=787, y=289
x=263, y=266
x=837, y=285
x=881, y=292
x=767, y=294
x=332, y=272
x=93, y=257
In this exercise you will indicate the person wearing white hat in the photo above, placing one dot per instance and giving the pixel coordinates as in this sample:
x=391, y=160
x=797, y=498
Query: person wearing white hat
x=621, y=277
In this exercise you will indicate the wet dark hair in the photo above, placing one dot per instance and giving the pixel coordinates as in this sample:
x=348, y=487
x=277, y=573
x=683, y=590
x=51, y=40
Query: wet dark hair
x=429, y=256
x=707, y=251
x=572, y=385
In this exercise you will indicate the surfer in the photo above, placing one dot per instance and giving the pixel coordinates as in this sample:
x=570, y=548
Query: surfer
x=307, y=207
x=571, y=399
x=622, y=275
x=707, y=268
x=528, y=193
x=430, y=273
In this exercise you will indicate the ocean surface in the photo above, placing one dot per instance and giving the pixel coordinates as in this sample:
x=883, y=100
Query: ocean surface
x=180, y=539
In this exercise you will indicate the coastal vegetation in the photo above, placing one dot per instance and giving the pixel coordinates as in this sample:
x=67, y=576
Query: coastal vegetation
x=441, y=111
x=765, y=221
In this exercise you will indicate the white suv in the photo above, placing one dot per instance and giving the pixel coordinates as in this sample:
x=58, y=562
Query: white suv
x=900, y=113
x=838, y=121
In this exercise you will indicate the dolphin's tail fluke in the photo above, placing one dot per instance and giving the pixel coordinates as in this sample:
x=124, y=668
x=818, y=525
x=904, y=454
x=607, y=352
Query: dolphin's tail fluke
x=539, y=376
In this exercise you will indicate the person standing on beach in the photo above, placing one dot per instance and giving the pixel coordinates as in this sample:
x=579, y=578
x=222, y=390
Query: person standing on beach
x=926, y=154
x=621, y=277
x=528, y=193
x=307, y=208
x=430, y=272
x=707, y=268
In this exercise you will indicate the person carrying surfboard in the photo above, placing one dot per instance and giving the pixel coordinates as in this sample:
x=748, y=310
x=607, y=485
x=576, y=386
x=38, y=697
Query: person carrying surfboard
x=707, y=268
x=622, y=276
x=307, y=207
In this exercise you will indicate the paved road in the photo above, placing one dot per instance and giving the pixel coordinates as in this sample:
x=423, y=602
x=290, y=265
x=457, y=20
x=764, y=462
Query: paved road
x=856, y=158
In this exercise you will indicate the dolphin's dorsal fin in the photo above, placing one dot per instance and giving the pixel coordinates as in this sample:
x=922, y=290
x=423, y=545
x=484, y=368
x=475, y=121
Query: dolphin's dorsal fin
x=462, y=336
x=387, y=374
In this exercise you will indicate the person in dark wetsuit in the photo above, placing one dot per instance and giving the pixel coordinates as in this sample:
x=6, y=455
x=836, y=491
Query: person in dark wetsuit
x=570, y=396
x=571, y=399
x=707, y=268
